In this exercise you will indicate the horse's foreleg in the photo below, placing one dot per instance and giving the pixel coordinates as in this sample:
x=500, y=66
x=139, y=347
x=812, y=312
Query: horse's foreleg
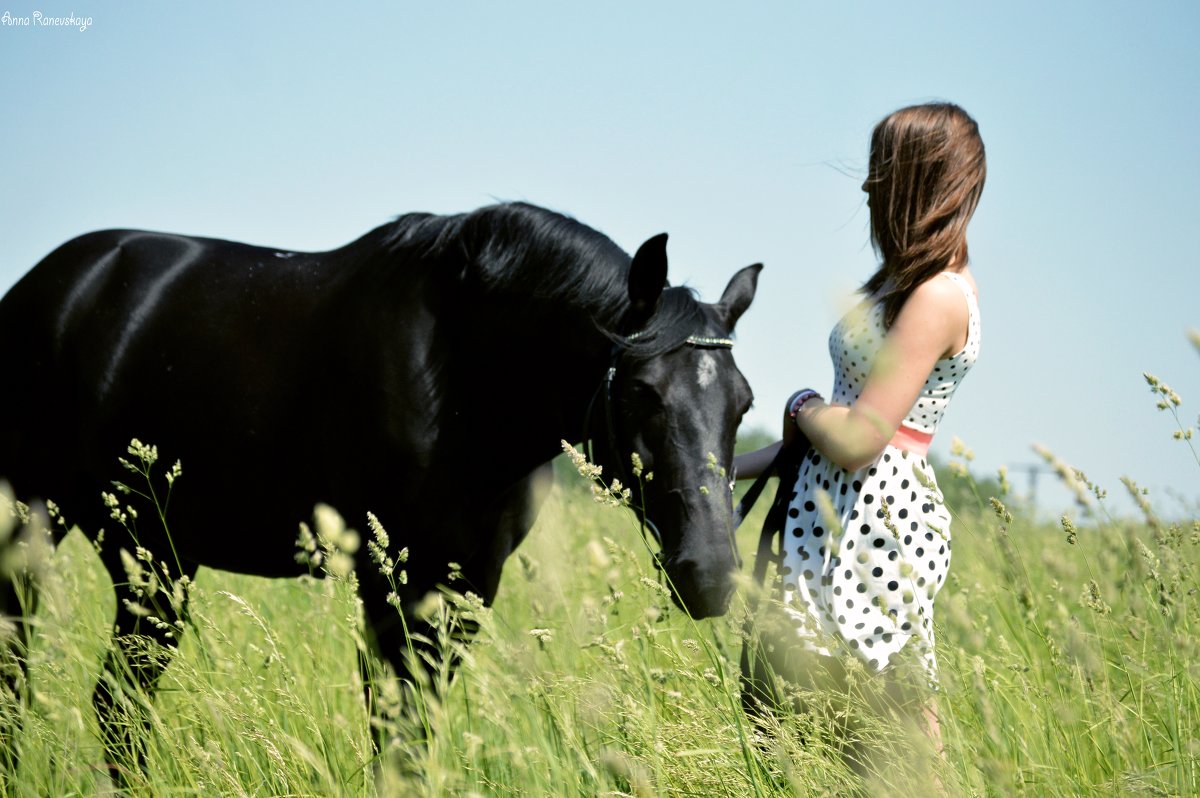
x=399, y=667
x=149, y=620
x=423, y=639
x=22, y=559
x=14, y=608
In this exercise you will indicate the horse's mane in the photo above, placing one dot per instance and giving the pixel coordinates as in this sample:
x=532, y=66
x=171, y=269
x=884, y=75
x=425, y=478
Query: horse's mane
x=521, y=250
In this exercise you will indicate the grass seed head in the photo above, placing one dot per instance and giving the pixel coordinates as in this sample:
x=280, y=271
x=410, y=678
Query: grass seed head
x=585, y=469
x=1071, y=478
x=1000, y=510
x=1069, y=527
x=377, y=530
x=148, y=455
x=1091, y=598
x=8, y=512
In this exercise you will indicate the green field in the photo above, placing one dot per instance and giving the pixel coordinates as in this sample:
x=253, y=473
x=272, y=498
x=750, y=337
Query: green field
x=1070, y=666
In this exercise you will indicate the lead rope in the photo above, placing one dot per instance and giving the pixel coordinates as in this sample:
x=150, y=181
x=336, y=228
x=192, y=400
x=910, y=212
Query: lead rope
x=758, y=692
x=787, y=465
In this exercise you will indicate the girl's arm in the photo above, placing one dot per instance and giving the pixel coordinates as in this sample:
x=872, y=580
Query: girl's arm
x=752, y=464
x=931, y=325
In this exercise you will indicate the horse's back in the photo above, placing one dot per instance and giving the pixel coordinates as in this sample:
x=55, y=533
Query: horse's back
x=190, y=343
x=119, y=310
x=38, y=317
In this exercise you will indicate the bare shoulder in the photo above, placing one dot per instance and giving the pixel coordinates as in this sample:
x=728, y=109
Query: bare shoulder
x=937, y=311
x=939, y=296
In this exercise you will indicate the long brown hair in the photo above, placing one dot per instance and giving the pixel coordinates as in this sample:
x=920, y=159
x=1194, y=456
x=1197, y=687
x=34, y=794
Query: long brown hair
x=926, y=173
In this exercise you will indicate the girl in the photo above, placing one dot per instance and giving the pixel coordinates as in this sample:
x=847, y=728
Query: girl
x=867, y=541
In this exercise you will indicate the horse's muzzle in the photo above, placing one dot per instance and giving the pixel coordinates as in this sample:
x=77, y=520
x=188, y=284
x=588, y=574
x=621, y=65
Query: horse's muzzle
x=701, y=590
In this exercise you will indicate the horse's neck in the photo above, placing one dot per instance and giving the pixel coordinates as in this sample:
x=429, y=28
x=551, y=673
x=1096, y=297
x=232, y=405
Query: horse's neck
x=551, y=387
x=525, y=367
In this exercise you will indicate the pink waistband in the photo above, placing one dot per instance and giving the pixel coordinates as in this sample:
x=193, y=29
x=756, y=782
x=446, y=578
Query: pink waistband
x=911, y=440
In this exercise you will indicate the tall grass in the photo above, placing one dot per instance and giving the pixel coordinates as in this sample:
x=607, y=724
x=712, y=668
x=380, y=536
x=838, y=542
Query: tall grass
x=1069, y=656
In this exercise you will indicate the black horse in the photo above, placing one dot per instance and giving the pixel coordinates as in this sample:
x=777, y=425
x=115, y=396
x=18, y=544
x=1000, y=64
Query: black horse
x=375, y=377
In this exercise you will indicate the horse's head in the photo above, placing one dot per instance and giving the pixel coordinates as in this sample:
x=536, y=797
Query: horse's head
x=676, y=401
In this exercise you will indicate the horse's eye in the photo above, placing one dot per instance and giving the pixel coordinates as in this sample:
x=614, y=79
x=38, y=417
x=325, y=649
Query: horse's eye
x=644, y=395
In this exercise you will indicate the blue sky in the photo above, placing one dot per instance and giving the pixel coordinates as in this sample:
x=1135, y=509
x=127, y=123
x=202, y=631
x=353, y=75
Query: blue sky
x=741, y=131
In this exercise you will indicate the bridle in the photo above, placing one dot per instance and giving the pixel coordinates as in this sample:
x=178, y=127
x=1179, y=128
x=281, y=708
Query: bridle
x=604, y=392
x=786, y=463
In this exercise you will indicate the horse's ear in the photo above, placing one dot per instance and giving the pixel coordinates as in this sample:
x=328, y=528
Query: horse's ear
x=648, y=277
x=738, y=295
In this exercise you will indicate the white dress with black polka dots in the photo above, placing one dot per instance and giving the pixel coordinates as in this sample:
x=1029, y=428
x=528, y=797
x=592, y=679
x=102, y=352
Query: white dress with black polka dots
x=862, y=573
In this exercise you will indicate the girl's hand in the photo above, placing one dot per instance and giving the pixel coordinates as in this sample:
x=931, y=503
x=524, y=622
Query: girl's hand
x=791, y=420
x=789, y=424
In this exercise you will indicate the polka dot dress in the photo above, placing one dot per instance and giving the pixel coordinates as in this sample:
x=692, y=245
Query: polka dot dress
x=865, y=552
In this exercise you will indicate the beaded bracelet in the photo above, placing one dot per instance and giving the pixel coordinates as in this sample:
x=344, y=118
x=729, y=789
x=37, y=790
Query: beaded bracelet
x=798, y=400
